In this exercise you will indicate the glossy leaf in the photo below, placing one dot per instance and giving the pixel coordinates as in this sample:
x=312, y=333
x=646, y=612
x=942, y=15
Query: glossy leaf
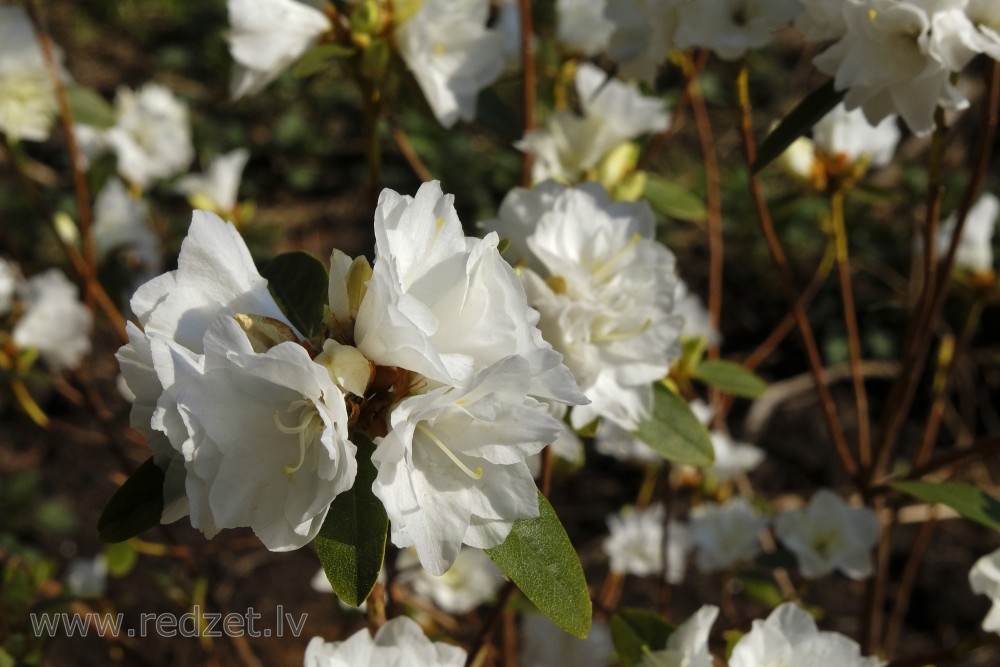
x=636, y=632
x=351, y=543
x=967, y=500
x=539, y=558
x=319, y=58
x=89, y=108
x=730, y=378
x=299, y=283
x=136, y=506
x=675, y=432
x=807, y=113
x=673, y=200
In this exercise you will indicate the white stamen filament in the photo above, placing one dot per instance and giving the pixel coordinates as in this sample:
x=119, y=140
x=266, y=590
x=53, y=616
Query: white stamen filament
x=604, y=269
x=623, y=335
x=477, y=474
x=302, y=430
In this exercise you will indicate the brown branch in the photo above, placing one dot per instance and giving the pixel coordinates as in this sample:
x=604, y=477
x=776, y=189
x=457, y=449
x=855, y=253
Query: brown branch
x=787, y=281
x=907, y=583
x=874, y=611
x=946, y=460
x=410, y=155
x=661, y=139
x=528, y=67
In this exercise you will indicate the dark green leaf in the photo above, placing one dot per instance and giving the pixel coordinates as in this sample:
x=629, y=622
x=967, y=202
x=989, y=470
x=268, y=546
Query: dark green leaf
x=636, y=632
x=318, y=58
x=299, y=283
x=351, y=543
x=540, y=559
x=730, y=378
x=965, y=499
x=136, y=506
x=807, y=113
x=763, y=589
x=673, y=200
x=89, y=108
x=675, y=432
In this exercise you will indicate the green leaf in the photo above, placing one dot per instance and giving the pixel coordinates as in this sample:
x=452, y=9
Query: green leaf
x=540, y=559
x=965, y=499
x=318, y=58
x=136, y=506
x=730, y=378
x=675, y=432
x=673, y=200
x=120, y=557
x=299, y=283
x=762, y=589
x=351, y=543
x=807, y=113
x=636, y=632
x=89, y=108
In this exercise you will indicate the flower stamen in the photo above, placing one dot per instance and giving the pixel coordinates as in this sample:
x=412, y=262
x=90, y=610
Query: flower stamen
x=477, y=474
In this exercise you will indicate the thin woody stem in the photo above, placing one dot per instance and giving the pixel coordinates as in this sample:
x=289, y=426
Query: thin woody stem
x=781, y=264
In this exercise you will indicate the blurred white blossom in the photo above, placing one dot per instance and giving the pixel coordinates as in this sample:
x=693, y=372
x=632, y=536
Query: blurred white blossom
x=984, y=578
x=696, y=321
x=218, y=187
x=582, y=25
x=829, y=534
x=267, y=36
x=847, y=135
x=54, y=322
x=687, y=646
x=730, y=28
x=789, y=636
x=636, y=543
x=87, y=577
x=399, y=642
x=975, y=247
x=544, y=644
x=821, y=20
x=27, y=98
x=452, y=55
x=472, y=580
x=644, y=33
x=614, y=112
x=121, y=222
x=10, y=277
x=725, y=535
x=732, y=458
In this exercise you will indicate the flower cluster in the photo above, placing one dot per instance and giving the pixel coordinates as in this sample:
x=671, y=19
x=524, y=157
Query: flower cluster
x=27, y=98
x=432, y=351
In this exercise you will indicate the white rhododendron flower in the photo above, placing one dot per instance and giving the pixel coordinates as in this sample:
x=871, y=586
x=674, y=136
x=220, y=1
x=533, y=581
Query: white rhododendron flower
x=789, y=636
x=636, y=543
x=848, y=136
x=87, y=577
x=918, y=46
x=975, y=247
x=151, y=136
x=730, y=28
x=264, y=435
x=687, y=646
x=452, y=55
x=215, y=277
x=470, y=582
x=612, y=440
x=266, y=36
x=582, y=25
x=696, y=321
x=984, y=578
x=27, y=98
x=821, y=20
x=645, y=31
x=55, y=322
x=604, y=288
x=732, y=458
x=399, y=642
x=121, y=222
x=829, y=534
x=544, y=644
x=217, y=188
x=725, y=535
x=613, y=112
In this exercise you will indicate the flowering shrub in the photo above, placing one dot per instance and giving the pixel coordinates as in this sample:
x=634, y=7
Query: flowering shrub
x=503, y=396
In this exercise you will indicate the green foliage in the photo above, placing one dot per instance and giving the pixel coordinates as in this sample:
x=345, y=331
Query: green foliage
x=299, y=283
x=121, y=558
x=762, y=589
x=136, y=506
x=319, y=58
x=675, y=432
x=540, y=559
x=965, y=499
x=636, y=632
x=351, y=543
x=800, y=120
x=730, y=378
x=89, y=108
x=673, y=200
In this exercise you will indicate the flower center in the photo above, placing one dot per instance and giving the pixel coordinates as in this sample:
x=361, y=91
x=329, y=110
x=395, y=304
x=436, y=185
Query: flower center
x=476, y=474
x=309, y=429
